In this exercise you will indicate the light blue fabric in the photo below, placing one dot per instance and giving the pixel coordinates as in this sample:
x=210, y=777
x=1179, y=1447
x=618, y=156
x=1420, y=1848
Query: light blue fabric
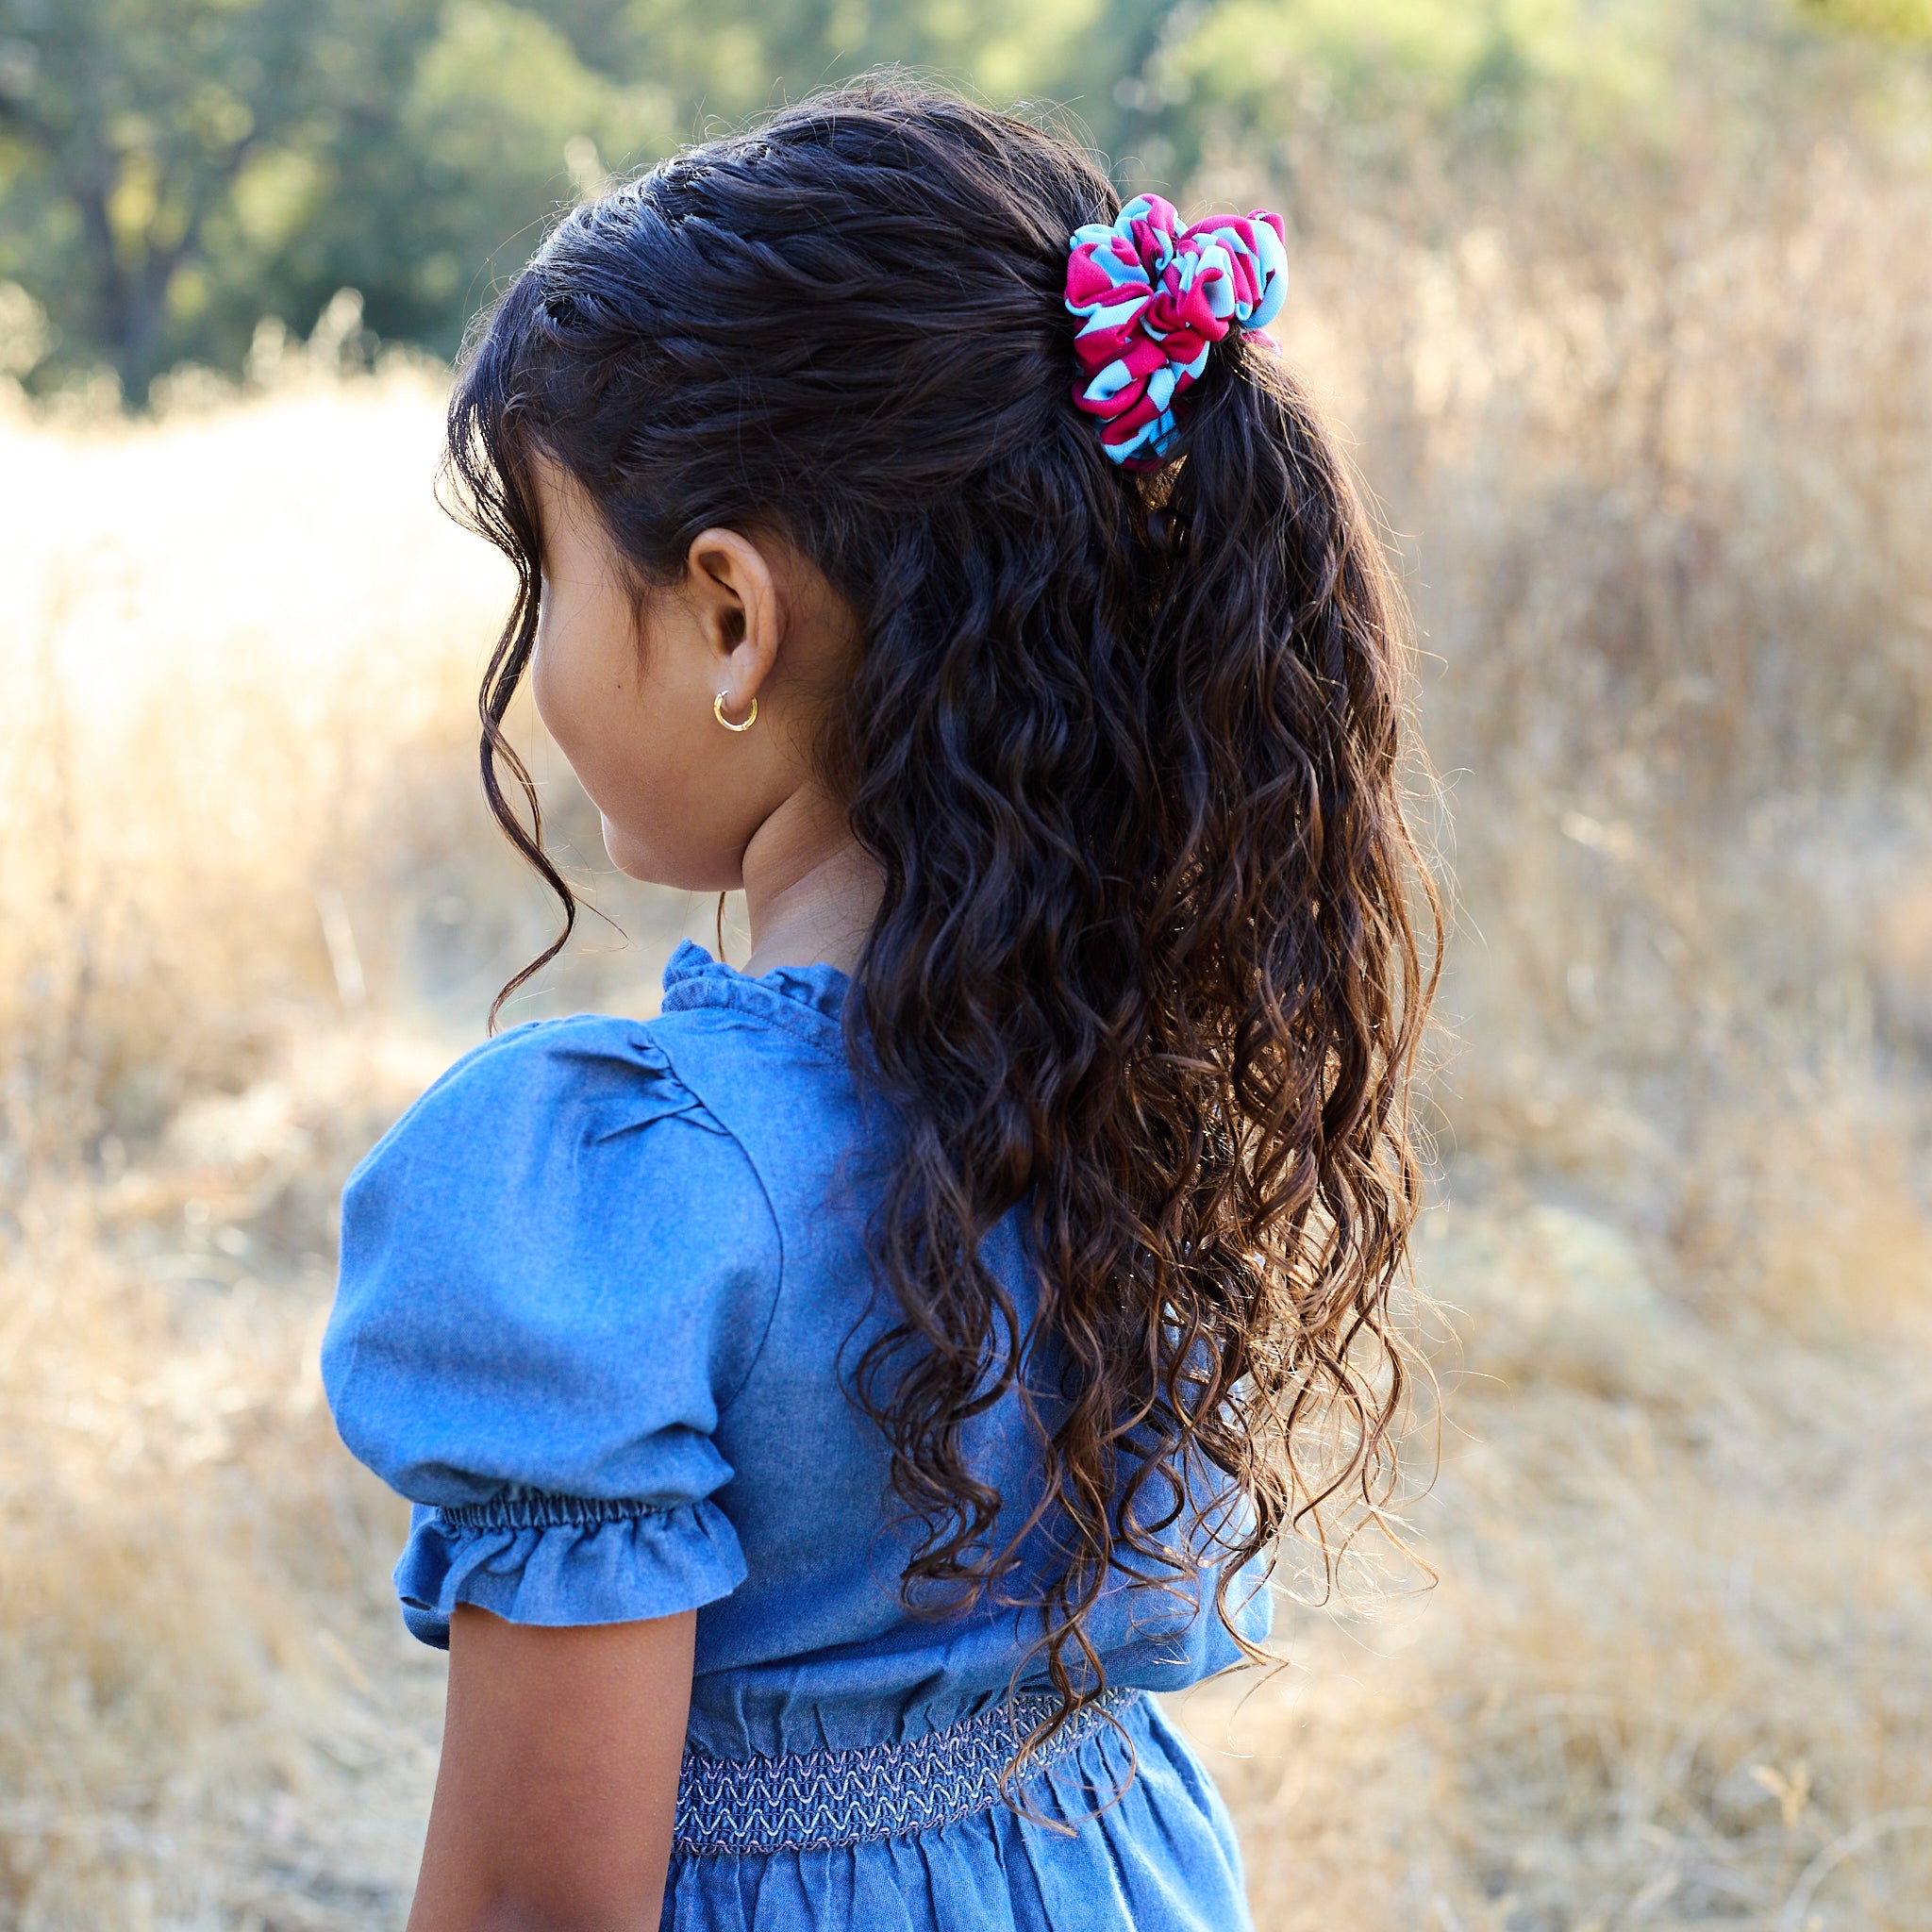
x=596, y=1286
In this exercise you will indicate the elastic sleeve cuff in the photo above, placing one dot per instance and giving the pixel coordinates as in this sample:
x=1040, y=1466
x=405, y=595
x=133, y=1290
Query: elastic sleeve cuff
x=564, y=1560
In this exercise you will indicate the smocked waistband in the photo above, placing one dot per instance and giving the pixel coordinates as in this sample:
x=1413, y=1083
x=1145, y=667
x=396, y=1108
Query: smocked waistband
x=809, y=1801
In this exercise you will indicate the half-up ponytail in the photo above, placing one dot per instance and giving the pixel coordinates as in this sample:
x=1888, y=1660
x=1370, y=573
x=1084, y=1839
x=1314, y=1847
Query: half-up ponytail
x=1127, y=749
x=1294, y=881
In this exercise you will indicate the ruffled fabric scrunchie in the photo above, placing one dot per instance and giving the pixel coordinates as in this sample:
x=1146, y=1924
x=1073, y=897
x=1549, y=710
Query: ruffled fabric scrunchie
x=1156, y=297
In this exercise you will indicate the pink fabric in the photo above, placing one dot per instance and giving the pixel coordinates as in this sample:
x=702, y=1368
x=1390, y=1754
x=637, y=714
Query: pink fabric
x=1156, y=296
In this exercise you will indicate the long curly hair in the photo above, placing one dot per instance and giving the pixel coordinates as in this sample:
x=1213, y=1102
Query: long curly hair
x=1156, y=944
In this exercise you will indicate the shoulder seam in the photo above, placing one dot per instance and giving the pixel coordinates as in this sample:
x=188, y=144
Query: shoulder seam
x=771, y=1214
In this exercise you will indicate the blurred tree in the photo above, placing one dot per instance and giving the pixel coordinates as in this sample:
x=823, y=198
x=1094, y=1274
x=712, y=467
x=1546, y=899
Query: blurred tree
x=172, y=171
x=502, y=120
x=1897, y=20
x=1386, y=80
x=137, y=140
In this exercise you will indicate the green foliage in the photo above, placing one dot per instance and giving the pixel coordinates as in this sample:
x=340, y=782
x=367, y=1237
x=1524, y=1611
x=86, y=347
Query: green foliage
x=1893, y=20
x=1442, y=55
x=503, y=122
x=157, y=156
x=171, y=171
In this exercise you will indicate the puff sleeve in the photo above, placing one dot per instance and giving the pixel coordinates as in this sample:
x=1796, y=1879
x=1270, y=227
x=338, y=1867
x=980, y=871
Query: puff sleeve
x=556, y=1270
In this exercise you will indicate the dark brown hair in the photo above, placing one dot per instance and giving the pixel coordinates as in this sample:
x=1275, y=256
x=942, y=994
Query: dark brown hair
x=1128, y=752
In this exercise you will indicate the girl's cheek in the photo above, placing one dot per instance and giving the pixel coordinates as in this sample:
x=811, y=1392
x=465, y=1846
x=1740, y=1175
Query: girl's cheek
x=555, y=690
x=543, y=680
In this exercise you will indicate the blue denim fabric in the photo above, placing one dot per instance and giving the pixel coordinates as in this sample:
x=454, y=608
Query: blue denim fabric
x=597, y=1286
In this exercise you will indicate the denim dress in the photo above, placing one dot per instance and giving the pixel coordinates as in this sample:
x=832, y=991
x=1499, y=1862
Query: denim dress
x=601, y=1292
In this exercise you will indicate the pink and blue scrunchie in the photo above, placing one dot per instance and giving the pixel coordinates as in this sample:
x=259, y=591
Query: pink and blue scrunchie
x=1156, y=298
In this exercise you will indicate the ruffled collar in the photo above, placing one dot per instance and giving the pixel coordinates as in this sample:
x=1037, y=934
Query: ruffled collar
x=786, y=994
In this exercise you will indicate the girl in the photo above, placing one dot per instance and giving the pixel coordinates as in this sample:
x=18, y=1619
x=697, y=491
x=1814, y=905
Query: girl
x=830, y=1407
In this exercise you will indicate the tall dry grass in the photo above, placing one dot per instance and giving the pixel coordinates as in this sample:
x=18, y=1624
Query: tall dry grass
x=251, y=906
x=1663, y=495
x=1660, y=490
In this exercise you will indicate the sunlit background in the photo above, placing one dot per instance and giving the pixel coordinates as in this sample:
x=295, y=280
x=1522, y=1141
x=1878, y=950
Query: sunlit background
x=1625, y=308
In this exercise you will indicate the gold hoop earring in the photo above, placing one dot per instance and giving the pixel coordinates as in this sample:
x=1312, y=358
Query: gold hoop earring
x=718, y=712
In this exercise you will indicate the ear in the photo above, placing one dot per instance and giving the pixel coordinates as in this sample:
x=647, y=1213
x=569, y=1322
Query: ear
x=735, y=596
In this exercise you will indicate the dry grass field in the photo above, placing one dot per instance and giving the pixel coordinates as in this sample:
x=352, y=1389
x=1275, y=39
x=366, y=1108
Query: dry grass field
x=1662, y=508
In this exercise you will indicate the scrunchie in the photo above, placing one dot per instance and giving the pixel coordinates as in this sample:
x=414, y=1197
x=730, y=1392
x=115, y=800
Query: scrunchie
x=1156, y=298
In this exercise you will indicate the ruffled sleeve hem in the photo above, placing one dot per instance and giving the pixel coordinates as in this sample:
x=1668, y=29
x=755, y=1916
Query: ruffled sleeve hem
x=564, y=1560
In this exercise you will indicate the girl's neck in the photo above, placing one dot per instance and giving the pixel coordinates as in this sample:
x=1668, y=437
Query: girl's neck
x=810, y=889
